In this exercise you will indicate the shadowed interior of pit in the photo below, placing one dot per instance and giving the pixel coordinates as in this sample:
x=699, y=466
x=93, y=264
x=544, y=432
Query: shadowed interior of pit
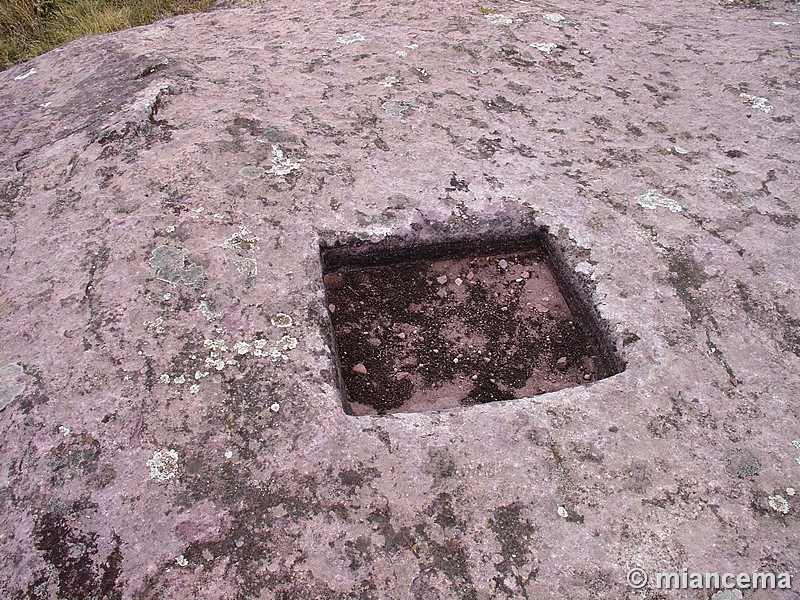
x=449, y=325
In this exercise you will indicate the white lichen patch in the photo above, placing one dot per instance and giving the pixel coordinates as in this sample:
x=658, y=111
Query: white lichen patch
x=180, y=379
x=165, y=379
x=562, y=512
x=194, y=388
x=164, y=465
x=498, y=19
x=252, y=173
x=282, y=165
x=397, y=108
x=181, y=561
x=652, y=200
x=65, y=431
x=555, y=17
x=228, y=454
x=275, y=407
x=242, y=241
x=247, y=265
x=258, y=346
x=351, y=39
x=545, y=47
x=278, y=349
x=155, y=327
x=11, y=385
x=215, y=363
x=241, y=347
x=216, y=348
x=389, y=81
x=779, y=504
x=208, y=313
x=796, y=444
x=757, y=103
x=282, y=320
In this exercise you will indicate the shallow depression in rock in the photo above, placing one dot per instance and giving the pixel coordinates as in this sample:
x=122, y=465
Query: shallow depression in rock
x=441, y=330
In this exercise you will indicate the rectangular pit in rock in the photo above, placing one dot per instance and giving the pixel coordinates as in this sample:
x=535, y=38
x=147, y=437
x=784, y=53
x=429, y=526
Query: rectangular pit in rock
x=438, y=326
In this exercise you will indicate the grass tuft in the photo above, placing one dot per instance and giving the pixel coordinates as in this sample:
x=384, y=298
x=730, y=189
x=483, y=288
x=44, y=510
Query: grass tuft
x=30, y=27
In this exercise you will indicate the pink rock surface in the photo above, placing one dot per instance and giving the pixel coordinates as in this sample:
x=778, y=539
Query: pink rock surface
x=163, y=194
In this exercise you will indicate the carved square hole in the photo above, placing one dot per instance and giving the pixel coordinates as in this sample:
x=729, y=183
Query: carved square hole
x=439, y=326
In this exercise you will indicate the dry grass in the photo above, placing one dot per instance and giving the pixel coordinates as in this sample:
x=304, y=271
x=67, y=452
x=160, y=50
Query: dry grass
x=31, y=27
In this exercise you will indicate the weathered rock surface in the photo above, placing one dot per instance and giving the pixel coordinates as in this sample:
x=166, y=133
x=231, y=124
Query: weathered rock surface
x=163, y=194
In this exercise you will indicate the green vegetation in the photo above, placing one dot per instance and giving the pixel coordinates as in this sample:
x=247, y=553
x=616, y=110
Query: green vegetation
x=31, y=27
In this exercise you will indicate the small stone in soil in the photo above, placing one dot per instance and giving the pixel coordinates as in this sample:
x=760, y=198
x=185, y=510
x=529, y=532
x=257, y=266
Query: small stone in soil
x=360, y=369
x=442, y=280
x=502, y=263
x=332, y=307
x=561, y=363
x=541, y=308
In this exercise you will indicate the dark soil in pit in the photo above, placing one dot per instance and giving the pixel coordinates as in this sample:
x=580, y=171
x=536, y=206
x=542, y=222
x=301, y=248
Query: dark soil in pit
x=436, y=334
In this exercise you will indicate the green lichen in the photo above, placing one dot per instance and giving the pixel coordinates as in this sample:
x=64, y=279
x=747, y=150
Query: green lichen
x=779, y=504
x=282, y=320
x=170, y=266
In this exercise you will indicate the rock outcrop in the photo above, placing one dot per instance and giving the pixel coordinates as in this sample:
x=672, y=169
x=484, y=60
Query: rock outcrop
x=170, y=422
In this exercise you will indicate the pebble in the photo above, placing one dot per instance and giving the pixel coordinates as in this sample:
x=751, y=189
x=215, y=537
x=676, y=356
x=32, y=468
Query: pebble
x=502, y=263
x=442, y=280
x=401, y=335
x=526, y=274
x=332, y=307
x=459, y=281
x=561, y=362
x=541, y=308
x=360, y=369
x=401, y=375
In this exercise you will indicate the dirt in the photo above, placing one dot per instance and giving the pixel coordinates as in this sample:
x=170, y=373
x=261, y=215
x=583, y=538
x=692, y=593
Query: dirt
x=440, y=333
